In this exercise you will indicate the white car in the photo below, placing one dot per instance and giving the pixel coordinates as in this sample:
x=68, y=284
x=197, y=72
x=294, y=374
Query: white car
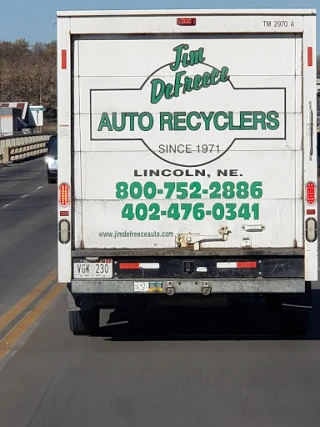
x=52, y=160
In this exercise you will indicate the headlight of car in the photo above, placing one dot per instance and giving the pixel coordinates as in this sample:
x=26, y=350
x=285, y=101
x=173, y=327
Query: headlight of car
x=49, y=160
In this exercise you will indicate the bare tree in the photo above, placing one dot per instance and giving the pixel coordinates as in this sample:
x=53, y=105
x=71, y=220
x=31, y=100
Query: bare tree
x=28, y=73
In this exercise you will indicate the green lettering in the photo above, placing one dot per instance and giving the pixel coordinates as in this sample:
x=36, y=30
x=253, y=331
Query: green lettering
x=150, y=123
x=166, y=119
x=232, y=126
x=105, y=122
x=197, y=82
x=178, y=50
x=272, y=117
x=185, y=62
x=187, y=85
x=190, y=126
x=179, y=119
x=206, y=80
x=169, y=91
x=131, y=117
x=216, y=120
x=215, y=77
x=115, y=124
x=207, y=118
x=244, y=120
x=158, y=88
x=196, y=56
x=259, y=117
x=177, y=83
x=224, y=77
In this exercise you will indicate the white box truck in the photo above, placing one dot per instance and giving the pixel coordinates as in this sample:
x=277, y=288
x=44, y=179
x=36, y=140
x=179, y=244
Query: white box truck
x=187, y=159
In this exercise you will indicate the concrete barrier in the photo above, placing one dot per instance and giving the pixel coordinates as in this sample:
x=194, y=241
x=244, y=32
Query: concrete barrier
x=17, y=148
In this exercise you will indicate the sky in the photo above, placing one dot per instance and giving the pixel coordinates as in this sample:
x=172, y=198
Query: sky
x=35, y=20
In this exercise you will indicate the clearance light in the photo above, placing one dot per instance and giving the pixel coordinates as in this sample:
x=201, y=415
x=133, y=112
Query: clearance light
x=64, y=231
x=64, y=59
x=187, y=22
x=64, y=195
x=310, y=56
x=311, y=211
x=311, y=230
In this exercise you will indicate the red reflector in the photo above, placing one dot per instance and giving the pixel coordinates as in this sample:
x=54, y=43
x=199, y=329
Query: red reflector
x=129, y=266
x=64, y=213
x=310, y=56
x=311, y=211
x=63, y=59
x=311, y=193
x=64, y=198
x=246, y=264
x=187, y=22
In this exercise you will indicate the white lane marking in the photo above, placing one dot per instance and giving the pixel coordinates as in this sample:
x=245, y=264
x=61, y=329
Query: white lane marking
x=23, y=196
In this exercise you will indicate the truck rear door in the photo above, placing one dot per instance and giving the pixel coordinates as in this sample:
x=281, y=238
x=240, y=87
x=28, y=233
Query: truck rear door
x=180, y=137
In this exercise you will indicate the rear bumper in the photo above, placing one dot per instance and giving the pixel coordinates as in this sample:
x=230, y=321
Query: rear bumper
x=205, y=287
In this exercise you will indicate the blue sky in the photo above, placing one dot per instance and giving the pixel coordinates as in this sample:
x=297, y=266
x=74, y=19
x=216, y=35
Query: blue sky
x=35, y=20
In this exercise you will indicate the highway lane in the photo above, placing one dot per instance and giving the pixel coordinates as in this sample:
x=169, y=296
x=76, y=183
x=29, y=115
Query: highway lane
x=190, y=368
x=28, y=250
x=163, y=370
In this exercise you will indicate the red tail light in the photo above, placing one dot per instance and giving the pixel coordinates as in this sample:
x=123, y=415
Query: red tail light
x=64, y=195
x=191, y=22
x=311, y=193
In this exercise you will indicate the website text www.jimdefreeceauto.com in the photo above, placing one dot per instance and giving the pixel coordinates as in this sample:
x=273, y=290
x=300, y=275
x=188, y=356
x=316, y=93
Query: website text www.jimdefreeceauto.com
x=138, y=234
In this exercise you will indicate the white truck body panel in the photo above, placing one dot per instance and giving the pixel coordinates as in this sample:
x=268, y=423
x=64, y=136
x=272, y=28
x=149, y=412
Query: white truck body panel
x=167, y=131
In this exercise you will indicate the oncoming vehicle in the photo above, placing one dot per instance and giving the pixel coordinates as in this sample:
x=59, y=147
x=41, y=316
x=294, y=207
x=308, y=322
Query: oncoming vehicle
x=52, y=160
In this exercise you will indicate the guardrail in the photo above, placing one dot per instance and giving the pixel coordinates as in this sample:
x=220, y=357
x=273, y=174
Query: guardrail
x=17, y=148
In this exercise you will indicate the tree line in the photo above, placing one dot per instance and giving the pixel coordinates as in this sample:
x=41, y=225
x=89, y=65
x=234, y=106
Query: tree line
x=28, y=72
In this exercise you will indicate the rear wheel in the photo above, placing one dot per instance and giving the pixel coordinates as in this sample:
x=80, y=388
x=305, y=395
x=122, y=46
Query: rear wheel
x=84, y=322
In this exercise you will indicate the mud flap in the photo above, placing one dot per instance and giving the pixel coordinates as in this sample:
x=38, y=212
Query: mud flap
x=70, y=300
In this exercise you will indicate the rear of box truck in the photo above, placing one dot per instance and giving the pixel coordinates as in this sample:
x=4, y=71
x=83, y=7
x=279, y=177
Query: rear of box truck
x=187, y=158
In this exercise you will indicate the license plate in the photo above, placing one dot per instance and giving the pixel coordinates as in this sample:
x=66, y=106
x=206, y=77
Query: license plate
x=93, y=270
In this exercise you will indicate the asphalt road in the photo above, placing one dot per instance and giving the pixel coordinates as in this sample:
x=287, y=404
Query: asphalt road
x=28, y=250
x=175, y=369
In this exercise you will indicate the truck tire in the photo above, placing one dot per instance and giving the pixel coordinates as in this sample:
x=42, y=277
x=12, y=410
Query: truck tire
x=294, y=324
x=84, y=322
